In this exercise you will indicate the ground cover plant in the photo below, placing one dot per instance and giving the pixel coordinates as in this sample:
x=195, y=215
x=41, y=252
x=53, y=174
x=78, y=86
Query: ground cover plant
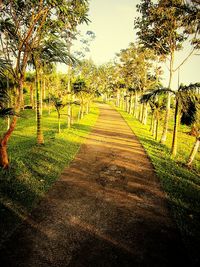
x=181, y=184
x=34, y=168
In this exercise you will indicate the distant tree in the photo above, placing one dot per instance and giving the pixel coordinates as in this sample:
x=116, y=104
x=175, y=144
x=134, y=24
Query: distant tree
x=183, y=96
x=164, y=26
x=157, y=106
x=81, y=91
x=136, y=66
x=59, y=105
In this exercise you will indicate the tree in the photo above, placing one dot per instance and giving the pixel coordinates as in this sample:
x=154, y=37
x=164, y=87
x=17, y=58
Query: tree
x=183, y=96
x=21, y=24
x=196, y=145
x=59, y=105
x=49, y=50
x=157, y=106
x=5, y=112
x=164, y=26
x=194, y=150
x=137, y=70
x=87, y=73
x=78, y=14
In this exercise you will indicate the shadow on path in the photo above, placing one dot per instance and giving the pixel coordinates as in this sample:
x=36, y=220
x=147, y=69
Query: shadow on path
x=107, y=209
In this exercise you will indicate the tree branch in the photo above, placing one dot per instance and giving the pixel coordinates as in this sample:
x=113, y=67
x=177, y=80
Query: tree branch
x=188, y=56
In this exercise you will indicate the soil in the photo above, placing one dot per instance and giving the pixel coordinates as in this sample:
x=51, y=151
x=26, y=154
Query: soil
x=107, y=209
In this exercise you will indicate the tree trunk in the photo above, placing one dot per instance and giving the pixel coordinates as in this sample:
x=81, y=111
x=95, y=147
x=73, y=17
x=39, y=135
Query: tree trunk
x=41, y=96
x=145, y=114
x=40, y=138
x=157, y=125
x=79, y=113
x=127, y=103
x=123, y=104
x=49, y=102
x=152, y=119
x=135, y=105
x=82, y=111
x=131, y=104
x=175, y=132
x=87, y=107
x=32, y=97
x=141, y=112
x=58, y=122
x=167, y=114
x=4, y=161
x=68, y=115
x=154, y=128
x=194, y=151
x=118, y=98
x=22, y=98
x=166, y=121
x=44, y=91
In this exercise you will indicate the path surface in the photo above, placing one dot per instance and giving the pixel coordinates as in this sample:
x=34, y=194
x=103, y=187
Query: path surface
x=106, y=210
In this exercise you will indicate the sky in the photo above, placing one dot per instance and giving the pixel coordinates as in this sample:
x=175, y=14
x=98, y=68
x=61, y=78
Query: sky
x=112, y=21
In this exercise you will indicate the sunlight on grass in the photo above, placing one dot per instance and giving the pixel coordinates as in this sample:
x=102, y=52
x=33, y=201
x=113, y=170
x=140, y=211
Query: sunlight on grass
x=182, y=185
x=35, y=168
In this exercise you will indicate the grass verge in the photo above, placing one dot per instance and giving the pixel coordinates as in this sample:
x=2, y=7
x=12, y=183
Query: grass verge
x=34, y=168
x=181, y=185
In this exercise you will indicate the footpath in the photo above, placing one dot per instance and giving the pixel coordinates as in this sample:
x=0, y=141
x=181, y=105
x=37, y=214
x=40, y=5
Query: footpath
x=106, y=210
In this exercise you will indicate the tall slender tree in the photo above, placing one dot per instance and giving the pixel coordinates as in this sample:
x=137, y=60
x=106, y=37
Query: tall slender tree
x=164, y=26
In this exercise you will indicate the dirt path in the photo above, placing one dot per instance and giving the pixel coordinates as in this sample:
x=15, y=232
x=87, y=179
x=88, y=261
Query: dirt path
x=106, y=210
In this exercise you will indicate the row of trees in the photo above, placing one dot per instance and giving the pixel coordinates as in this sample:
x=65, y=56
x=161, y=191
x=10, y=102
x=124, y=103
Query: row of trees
x=42, y=34
x=163, y=28
x=39, y=33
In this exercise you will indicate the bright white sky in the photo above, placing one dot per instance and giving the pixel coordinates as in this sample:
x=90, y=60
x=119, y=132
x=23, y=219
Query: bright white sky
x=112, y=21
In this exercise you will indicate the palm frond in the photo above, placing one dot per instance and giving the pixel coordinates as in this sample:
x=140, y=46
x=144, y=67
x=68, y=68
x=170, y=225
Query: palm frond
x=4, y=97
x=55, y=50
x=5, y=112
x=151, y=95
x=190, y=87
x=4, y=65
x=187, y=94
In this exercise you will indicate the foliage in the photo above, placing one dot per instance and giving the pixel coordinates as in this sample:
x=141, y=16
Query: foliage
x=163, y=25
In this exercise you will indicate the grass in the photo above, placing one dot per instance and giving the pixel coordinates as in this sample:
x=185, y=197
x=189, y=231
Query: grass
x=33, y=169
x=181, y=184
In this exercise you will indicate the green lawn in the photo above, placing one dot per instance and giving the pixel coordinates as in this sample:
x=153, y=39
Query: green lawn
x=181, y=184
x=34, y=168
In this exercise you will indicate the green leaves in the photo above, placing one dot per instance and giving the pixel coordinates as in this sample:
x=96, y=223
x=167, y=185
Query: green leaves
x=79, y=86
x=162, y=25
x=55, y=50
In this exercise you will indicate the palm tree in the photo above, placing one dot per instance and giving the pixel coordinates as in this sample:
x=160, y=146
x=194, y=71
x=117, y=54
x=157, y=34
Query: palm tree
x=183, y=97
x=59, y=105
x=157, y=106
x=49, y=51
x=81, y=91
x=20, y=32
x=197, y=141
x=5, y=112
